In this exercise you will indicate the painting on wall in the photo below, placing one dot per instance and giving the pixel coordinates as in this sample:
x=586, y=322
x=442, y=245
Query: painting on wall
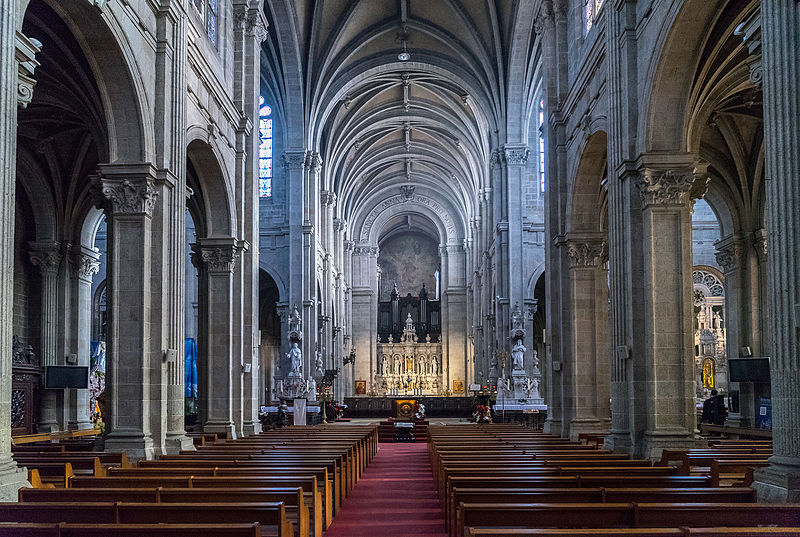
x=361, y=387
x=458, y=386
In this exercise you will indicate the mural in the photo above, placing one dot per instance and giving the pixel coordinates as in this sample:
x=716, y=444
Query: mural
x=410, y=259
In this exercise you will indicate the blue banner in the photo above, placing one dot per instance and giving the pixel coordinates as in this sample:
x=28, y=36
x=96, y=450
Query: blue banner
x=190, y=367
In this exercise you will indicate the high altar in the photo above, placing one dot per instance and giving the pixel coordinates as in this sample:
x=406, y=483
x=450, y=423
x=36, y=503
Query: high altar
x=410, y=366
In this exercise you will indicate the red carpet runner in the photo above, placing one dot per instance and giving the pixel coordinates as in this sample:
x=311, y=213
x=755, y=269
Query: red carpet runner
x=395, y=497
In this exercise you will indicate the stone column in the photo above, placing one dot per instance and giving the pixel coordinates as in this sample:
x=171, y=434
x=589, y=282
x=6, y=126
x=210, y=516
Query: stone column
x=47, y=256
x=780, y=37
x=84, y=265
x=128, y=195
x=11, y=96
x=667, y=361
x=216, y=259
x=586, y=399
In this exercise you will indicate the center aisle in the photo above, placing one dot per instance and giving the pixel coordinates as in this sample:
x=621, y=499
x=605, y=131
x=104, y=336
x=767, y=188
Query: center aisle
x=395, y=497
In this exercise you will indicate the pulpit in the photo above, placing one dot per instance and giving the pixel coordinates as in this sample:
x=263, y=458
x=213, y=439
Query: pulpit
x=25, y=389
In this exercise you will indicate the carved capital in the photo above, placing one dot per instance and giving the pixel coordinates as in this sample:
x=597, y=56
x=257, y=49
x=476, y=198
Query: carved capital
x=46, y=256
x=587, y=253
x=750, y=32
x=315, y=162
x=251, y=22
x=85, y=264
x=219, y=259
x=760, y=244
x=348, y=246
x=515, y=155
x=731, y=256
x=365, y=250
x=99, y=4
x=494, y=158
x=294, y=160
x=123, y=196
x=544, y=20
x=25, y=54
x=665, y=187
x=339, y=224
x=328, y=198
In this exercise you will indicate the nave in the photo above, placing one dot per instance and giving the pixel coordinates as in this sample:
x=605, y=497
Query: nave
x=466, y=480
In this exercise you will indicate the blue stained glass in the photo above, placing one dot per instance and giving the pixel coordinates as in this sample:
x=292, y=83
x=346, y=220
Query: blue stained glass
x=264, y=150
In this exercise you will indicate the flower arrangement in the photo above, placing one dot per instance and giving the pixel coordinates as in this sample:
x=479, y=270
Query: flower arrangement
x=482, y=414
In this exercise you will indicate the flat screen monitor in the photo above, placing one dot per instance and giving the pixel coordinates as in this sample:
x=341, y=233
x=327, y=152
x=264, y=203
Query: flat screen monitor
x=66, y=376
x=749, y=369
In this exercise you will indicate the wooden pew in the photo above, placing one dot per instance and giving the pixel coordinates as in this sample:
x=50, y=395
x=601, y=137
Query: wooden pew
x=600, y=495
x=308, y=483
x=130, y=530
x=271, y=516
x=296, y=509
x=626, y=515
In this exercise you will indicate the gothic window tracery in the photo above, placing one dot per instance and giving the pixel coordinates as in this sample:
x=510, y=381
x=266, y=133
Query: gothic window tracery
x=591, y=10
x=264, y=149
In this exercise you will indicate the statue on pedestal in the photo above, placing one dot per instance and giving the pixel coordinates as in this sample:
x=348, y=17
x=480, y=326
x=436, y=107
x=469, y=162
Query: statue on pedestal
x=295, y=356
x=518, y=354
x=312, y=389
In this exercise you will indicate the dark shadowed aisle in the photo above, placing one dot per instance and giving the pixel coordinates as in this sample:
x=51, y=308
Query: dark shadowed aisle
x=395, y=497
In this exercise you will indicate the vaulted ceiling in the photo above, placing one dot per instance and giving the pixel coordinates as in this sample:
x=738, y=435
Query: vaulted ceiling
x=379, y=122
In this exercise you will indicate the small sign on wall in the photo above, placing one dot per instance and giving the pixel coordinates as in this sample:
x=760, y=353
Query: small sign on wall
x=458, y=386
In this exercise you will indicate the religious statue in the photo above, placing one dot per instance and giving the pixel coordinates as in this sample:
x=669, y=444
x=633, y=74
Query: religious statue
x=535, y=358
x=516, y=319
x=295, y=325
x=535, y=387
x=501, y=389
x=312, y=389
x=518, y=354
x=384, y=365
x=295, y=356
x=318, y=366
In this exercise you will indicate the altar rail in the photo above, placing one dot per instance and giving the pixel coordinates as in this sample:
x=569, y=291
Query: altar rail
x=435, y=407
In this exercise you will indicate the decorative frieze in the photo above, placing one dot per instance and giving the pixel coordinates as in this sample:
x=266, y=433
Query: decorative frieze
x=587, y=253
x=365, y=250
x=46, y=256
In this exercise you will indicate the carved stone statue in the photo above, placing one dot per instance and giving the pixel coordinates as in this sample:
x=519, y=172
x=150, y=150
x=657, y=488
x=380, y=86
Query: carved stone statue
x=295, y=356
x=295, y=324
x=319, y=370
x=535, y=359
x=384, y=365
x=517, y=322
x=312, y=389
x=518, y=354
x=501, y=389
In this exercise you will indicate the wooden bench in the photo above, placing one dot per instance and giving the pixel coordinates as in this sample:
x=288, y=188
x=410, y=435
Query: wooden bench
x=294, y=503
x=626, y=515
x=307, y=483
x=130, y=530
x=600, y=495
x=271, y=516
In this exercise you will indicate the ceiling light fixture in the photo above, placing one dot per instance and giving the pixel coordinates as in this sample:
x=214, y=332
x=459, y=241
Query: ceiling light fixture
x=404, y=55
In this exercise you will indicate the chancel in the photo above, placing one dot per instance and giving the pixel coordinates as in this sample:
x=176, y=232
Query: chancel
x=477, y=267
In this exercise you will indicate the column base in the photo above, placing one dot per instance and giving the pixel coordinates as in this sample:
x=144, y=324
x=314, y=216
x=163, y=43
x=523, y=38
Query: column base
x=12, y=478
x=251, y=427
x=619, y=442
x=227, y=428
x=654, y=442
x=135, y=444
x=779, y=482
x=80, y=425
x=552, y=427
x=174, y=443
x=592, y=426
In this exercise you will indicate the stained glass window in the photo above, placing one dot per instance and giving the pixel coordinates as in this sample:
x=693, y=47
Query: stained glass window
x=591, y=9
x=264, y=149
x=541, y=145
x=211, y=21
